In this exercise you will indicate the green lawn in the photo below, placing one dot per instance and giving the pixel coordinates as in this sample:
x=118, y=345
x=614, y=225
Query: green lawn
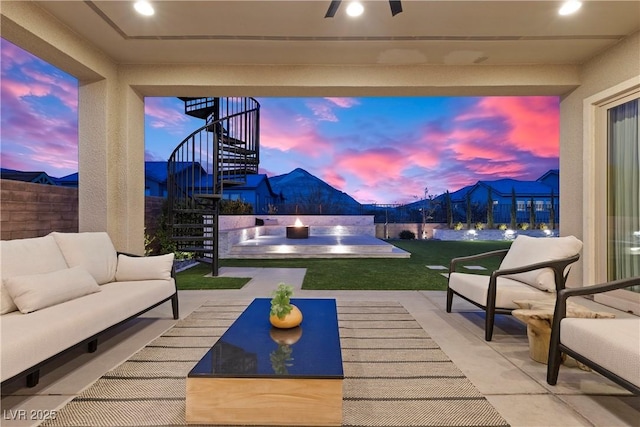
x=193, y=278
x=361, y=273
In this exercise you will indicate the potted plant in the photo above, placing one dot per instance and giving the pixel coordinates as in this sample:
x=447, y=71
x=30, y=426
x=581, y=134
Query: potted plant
x=283, y=314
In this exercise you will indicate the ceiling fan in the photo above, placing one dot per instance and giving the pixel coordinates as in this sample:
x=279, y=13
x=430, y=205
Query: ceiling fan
x=396, y=8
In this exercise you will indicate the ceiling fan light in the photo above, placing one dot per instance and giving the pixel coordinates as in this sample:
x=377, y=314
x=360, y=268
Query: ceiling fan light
x=569, y=7
x=354, y=9
x=143, y=7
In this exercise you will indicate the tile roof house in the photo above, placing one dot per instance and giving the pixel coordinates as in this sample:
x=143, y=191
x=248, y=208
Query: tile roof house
x=35, y=177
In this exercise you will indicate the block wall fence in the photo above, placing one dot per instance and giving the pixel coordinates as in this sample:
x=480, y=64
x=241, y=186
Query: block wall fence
x=34, y=210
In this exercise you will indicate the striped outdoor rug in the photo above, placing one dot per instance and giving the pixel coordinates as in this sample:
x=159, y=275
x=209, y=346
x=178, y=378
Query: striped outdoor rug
x=395, y=375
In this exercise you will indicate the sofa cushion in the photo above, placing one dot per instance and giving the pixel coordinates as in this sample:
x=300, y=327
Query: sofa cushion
x=93, y=250
x=611, y=343
x=476, y=287
x=527, y=250
x=144, y=268
x=27, y=256
x=36, y=291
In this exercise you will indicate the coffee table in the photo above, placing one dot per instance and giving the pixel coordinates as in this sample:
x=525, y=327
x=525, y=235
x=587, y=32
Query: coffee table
x=259, y=375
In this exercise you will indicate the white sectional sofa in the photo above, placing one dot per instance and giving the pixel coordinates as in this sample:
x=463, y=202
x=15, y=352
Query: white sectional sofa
x=63, y=290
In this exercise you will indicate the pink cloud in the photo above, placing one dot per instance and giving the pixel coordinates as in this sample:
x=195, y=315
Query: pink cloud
x=504, y=169
x=344, y=102
x=374, y=165
x=12, y=55
x=296, y=134
x=533, y=121
x=322, y=111
x=333, y=178
x=165, y=117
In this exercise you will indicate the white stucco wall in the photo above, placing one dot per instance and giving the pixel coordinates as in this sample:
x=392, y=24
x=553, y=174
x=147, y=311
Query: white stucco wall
x=603, y=72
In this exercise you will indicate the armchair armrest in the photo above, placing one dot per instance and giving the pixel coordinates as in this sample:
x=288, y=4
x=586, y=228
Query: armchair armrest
x=455, y=261
x=564, y=294
x=558, y=266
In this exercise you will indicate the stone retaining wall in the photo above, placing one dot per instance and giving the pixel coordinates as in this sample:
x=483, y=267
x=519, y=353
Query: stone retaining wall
x=234, y=229
x=448, y=234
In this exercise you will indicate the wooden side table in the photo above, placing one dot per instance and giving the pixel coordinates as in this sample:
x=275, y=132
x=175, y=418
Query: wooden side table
x=538, y=315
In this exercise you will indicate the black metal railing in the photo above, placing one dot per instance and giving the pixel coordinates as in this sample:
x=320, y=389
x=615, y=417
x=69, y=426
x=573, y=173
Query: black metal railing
x=220, y=154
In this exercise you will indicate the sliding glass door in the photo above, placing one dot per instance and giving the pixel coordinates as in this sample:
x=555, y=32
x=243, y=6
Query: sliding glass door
x=623, y=189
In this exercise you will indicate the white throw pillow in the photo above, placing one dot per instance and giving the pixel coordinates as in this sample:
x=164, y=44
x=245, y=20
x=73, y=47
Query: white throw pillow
x=27, y=256
x=527, y=250
x=144, y=268
x=37, y=291
x=92, y=250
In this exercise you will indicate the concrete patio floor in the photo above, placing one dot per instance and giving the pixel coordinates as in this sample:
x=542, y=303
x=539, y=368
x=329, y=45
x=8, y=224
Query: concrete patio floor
x=501, y=369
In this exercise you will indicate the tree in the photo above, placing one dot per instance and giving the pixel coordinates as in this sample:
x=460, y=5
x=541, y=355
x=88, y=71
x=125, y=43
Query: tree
x=532, y=214
x=552, y=212
x=514, y=209
x=447, y=201
x=489, y=209
x=468, y=196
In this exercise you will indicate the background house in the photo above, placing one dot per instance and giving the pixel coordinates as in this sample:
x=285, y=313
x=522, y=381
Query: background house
x=538, y=192
x=35, y=177
x=257, y=191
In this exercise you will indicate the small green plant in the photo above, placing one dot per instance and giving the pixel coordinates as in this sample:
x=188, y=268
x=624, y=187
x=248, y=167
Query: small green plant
x=235, y=207
x=281, y=301
x=407, y=235
x=524, y=226
x=502, y=227
x=458, y=226
x=182, y=256
x=479, y=226
x=148, y=241
x=543, y=226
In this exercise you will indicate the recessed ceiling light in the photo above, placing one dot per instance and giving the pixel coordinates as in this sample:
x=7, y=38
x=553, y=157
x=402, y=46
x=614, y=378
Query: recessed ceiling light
x=143, y=7
x=355, y=9
x=570, y=7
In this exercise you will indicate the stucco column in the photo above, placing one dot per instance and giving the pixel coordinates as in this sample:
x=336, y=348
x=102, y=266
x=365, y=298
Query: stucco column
x=111, y=163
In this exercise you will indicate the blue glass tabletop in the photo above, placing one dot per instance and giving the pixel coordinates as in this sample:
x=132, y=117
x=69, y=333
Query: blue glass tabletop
x=252, y=348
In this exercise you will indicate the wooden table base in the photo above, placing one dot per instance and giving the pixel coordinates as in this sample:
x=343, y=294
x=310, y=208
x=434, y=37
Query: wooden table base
x=264, y=401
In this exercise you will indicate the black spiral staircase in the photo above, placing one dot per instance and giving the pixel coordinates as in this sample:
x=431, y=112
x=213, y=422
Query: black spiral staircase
x=220, y=154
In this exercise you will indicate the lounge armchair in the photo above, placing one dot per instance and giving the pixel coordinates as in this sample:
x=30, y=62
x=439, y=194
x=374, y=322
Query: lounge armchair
x=608, y=346
x=532, y=269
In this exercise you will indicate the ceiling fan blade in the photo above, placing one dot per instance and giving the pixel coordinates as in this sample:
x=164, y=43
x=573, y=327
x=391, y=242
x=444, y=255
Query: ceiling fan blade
x=333, y=8
x=396, y=7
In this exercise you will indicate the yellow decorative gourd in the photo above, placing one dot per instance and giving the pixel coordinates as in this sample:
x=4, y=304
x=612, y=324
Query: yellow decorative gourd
x=283, y=314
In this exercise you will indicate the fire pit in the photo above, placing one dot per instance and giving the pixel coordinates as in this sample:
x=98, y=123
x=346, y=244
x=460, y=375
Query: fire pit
x=298, y=231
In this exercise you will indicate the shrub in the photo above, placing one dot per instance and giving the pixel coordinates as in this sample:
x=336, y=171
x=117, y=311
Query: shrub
x=407, y=235
x=502, y=227
x=524, y=226
x=479, y=226
x=235, y=207
x=458, y=226
x=543, y=226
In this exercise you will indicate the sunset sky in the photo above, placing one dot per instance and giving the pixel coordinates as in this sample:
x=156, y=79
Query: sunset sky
x=378, y=150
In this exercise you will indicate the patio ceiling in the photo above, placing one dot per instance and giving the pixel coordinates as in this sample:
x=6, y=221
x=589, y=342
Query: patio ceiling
x=296, y=32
